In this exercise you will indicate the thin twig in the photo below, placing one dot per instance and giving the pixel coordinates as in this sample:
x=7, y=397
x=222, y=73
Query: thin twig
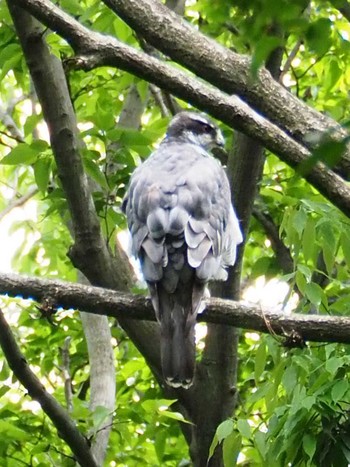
x=66, y=373
x=17, y=202
x=290, y=59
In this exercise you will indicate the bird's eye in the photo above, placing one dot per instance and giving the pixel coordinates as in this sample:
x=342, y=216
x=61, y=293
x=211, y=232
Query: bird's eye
x=207, y=128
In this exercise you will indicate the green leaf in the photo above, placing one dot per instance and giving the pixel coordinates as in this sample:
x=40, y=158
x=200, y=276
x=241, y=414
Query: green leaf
x=9, y=51
x=9, y=430
x=333, y=75
x=213, y=446
x=289, y=378
x=260, y=266
x=299, y=221
x=300, y=281
x=42, y=172
x=309, y=240
x=243, y=427
x=345, y=246
x=99, y=416
x=309, y=444
x=4, y=389
x=260, y=442
x=314, y=293
x=9, y=58
x=319, y=35
x=174, y=416
x=159, y=445
x=333, y=364
x=262, y=50
x=339, y=389
x=21, y=154
x=308, y=402
x=95, y=173
x=231, y=449
x=5, y=371
x=328, y=152
x=224, y=429
x=260, y=361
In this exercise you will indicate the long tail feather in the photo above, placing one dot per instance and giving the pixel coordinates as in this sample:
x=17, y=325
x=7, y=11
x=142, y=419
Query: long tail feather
x=178, y=351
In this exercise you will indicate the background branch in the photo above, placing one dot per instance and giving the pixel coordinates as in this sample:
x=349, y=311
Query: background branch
x=90, y=252
x=223, y=68
x=283, y=255
x=97, y=50
x=58, y=415
x=18, y=201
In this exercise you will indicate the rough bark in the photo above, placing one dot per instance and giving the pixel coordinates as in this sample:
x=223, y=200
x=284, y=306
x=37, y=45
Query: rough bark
x=89, y=253
x=97, y=300
x=96, y=328
x=102, y=377
x=219, y=364
x=230, y=73
x=224, y=68
x=98, y=50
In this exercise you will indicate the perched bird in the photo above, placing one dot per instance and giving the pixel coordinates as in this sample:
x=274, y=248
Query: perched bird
x=184, y=231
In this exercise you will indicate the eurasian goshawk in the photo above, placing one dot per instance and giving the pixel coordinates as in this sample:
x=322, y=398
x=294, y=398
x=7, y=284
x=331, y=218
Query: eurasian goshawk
x=184, y=231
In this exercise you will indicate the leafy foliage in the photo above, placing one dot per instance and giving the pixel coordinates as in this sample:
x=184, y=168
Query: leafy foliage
x=293, y=402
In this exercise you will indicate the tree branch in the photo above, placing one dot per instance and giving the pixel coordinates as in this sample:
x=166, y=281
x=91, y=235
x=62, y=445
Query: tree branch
x=317, y=328
x=10, y=125
x=98, y=50
x=224, y=68
x=283, y=256
x=59, y=416
x=17, y=202
x=90, y=252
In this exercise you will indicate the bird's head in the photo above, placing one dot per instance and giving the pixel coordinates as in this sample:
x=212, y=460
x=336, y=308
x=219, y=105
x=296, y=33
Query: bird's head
x=195, y=128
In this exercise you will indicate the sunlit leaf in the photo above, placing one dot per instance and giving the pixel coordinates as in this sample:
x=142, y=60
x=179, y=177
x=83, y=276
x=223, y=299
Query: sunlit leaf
x=224, y=429
x=260, y=361
x=21, y=154
x=230, y=449
x=339, y=389
x=318, y=35
x=243, y=427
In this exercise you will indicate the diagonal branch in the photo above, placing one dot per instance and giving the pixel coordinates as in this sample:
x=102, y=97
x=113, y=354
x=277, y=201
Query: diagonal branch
x=58, y=415
x=282, y=253
x=223, y=68
x=97, y=50
x=90, y=252
x=317, y=328
x=17, y=202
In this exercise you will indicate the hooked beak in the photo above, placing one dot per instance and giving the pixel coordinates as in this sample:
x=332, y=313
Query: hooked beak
x=220, y=139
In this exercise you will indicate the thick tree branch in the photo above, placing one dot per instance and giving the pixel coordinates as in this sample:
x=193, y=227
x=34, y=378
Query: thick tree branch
x=223, y=68
x=58, y=415
x=317, y=328
x=90, y=252
x=50, y=83
x=97, y=50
